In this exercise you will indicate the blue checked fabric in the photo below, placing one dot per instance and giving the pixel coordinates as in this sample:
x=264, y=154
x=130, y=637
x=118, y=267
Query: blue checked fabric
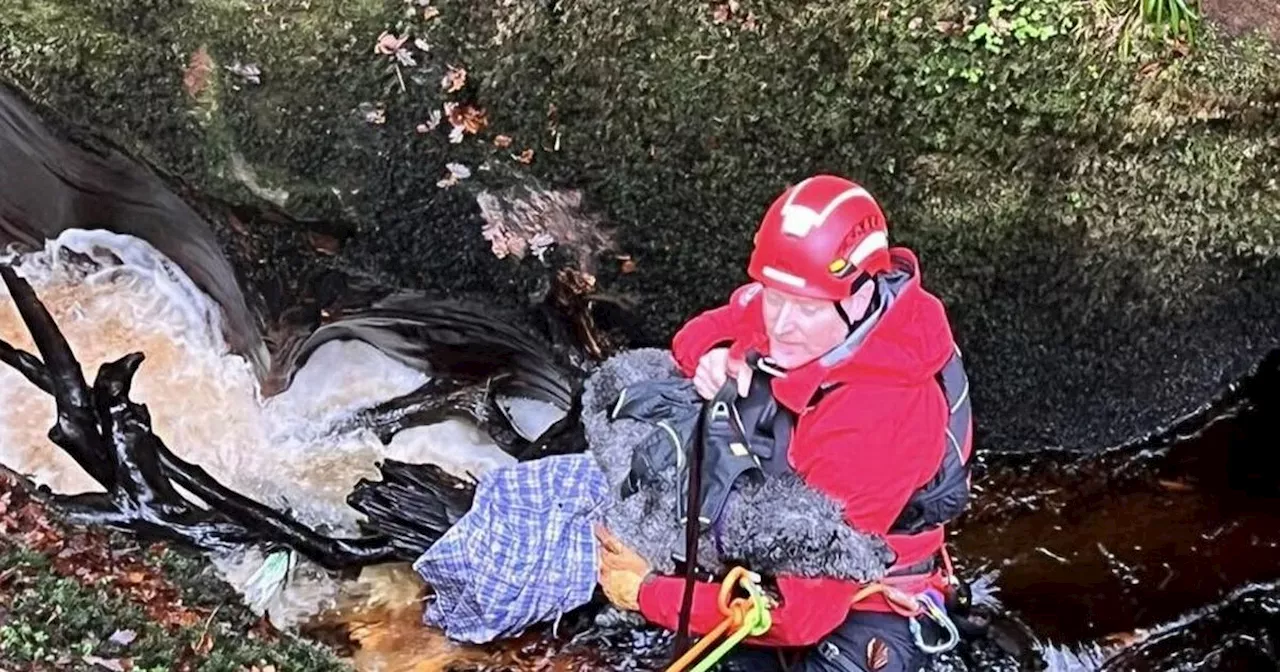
x=525, y=553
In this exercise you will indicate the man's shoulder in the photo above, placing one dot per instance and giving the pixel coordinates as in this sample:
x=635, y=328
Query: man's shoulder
x=744, y=295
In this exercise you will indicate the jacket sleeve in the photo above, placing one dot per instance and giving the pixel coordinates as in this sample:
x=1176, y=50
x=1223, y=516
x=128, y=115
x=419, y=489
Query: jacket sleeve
x=808, y=609
x=718, y=326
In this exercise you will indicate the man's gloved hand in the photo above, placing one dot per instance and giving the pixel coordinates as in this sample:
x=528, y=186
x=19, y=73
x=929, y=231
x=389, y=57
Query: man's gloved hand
x=715, y=367
x=622, y=570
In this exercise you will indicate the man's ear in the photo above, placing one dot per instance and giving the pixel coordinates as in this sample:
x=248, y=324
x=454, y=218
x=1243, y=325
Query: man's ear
x=856, y=305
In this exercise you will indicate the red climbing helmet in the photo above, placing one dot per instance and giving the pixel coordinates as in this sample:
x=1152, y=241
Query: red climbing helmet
x=819, y=237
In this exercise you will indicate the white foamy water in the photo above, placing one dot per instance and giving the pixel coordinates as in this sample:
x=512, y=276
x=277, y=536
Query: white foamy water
x=205, y=402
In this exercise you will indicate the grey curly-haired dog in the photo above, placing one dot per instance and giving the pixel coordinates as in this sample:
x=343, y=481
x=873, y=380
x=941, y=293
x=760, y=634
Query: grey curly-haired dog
x=775, y=526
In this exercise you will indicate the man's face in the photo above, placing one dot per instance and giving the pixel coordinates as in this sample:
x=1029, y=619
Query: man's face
x=800, y=329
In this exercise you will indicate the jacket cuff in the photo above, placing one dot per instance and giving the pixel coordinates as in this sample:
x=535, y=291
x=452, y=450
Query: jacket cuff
x=652, y=598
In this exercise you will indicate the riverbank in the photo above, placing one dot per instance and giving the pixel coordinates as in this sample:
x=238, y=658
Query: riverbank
x=87, y=600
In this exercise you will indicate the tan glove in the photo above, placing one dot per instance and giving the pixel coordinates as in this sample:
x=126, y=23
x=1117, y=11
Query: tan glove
x=622, y=571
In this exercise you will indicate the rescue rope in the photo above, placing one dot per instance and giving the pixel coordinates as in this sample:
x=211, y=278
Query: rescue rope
x=748, y=617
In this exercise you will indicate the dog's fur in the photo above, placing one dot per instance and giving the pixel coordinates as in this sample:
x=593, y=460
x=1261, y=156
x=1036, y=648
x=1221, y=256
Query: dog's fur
x=779, y=526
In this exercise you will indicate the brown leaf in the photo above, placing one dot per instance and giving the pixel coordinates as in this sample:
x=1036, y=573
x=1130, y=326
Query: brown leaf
x=388, y=44
x=1175, y=486
x=454, y=80
x=525, y=157
x=204, y=645
x=237, y=225
x=135, y=577
x=720, y=13
x=470, y=119
x=501, y=142
x=323, y=243
x=195, y=79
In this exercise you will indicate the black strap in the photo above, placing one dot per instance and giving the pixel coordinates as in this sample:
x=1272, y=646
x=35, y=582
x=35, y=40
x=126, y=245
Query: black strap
x=692, y=524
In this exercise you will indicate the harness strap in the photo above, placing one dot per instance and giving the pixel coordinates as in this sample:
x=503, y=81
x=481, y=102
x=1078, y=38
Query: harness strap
x=920, y=601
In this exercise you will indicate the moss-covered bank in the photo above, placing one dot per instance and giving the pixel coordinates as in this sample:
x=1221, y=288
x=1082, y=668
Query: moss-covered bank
x=1103, y=229
x=76, y=600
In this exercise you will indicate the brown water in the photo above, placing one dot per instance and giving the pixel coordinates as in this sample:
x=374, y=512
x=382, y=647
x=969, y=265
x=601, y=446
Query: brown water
x=1108, y=550
x=206, y=403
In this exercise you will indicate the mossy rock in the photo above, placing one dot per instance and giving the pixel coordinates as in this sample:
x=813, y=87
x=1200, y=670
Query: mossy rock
x=1102, y=229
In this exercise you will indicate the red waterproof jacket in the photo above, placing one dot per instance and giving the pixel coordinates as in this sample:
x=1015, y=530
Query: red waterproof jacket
x=870, y=442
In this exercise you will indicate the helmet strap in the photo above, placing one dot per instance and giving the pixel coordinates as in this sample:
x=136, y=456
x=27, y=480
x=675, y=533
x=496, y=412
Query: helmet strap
x=863, y=279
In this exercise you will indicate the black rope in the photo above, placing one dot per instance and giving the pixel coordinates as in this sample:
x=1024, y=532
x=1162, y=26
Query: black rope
x=691, y=532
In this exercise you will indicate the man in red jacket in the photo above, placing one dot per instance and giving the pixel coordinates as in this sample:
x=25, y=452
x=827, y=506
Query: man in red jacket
x=864, y=358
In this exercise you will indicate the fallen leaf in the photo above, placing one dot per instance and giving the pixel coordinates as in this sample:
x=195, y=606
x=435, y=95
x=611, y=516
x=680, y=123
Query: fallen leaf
x=431, y=123
x=720, y=13
x=250, y=72
x=454, y=80
x=628, y=265
x=204, y=645
x=457, y=172
x=388, y=44
x=195, y=79
x=373, y=114
x=405, y=57
x=471, y=119
x=123, y=637
x=501, y=142
x=113, y=664
x=135, y=577
x=430, y=13
x=323, y=243
x=525, y=157
x=1175, y=486
x=421, y=44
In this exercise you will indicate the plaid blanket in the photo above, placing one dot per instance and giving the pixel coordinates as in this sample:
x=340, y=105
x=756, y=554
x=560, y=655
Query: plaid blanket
x=525, y=553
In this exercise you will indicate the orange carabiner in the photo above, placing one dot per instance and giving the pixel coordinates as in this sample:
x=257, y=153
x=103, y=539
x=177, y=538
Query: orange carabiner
x=735, y=613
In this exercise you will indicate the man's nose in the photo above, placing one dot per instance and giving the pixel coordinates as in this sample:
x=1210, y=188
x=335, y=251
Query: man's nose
x=782, y=321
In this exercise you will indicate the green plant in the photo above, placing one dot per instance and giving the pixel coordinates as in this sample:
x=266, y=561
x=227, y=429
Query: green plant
x=1176, y=20
x=1024, y=21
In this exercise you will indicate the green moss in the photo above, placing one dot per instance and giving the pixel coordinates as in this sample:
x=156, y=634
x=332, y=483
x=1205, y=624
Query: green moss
x=57, y=621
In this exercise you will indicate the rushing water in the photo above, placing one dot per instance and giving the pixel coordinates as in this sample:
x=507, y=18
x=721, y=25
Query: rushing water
x=112, y=295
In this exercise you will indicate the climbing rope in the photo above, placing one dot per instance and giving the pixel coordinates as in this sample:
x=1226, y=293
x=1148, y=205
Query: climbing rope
x=748, y=617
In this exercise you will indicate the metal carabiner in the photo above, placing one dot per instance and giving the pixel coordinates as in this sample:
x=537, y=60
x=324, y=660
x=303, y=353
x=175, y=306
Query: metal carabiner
x=935, y=613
